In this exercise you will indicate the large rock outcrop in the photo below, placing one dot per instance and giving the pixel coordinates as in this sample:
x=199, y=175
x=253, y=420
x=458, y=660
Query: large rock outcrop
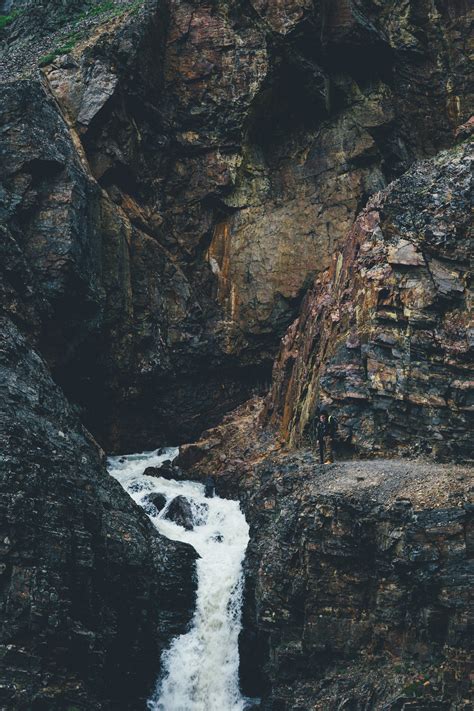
x=359, y=580
x=384, y=336
x=358, y=573
x=219, y=154
x=90, y=593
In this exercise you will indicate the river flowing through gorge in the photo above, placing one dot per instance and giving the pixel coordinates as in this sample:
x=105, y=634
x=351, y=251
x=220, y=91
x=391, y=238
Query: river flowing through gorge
x=200, y=669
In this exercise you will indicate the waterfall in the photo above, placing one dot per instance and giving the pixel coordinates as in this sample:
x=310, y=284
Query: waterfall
x=200, y=670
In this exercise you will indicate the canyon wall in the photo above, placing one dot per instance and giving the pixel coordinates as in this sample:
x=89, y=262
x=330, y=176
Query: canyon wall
x=175, y=176
x=90, y=593
x=384, y=337
x=358, y=574
x=177, y=173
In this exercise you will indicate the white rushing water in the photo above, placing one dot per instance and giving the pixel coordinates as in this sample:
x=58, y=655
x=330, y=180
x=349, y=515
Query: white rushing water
x=201, y=667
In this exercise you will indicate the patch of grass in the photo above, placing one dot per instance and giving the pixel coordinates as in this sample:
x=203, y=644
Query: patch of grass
x=96, y=10
x=46, y=59
x=111, y=7
x=70, y=42
x=6, y=20
x=132, y=8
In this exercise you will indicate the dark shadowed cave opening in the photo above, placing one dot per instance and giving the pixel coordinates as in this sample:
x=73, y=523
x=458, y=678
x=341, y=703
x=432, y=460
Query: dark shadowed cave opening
x=126, y=417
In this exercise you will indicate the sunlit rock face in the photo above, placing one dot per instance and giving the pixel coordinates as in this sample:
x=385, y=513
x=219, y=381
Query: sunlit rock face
x=383, y=337
x=220, y=155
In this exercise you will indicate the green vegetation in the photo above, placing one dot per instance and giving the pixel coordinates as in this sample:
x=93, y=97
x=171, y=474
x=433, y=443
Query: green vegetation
x=70, y=40
x=96, y=10
x=8, y=19
x=46, y=59
x=108, y=6
x=69, y=43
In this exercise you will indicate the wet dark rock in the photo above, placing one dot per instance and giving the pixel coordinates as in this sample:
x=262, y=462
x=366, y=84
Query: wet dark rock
x=90, y=592
x=157, y=500
x=181, y=513
x=152, y=471
x=167, y=470
x=358, y=574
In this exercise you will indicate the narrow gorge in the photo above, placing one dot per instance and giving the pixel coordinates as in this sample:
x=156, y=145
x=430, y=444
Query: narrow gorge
x=218, y=218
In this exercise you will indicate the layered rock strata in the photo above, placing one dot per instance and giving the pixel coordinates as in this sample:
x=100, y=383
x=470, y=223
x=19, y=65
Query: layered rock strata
x=218, y=155
x=90, y=593
x=173, y=177
x=384, y=337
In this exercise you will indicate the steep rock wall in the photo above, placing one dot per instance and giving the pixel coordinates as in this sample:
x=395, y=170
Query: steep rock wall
x=90, y=593
x=383, y=338
x=358, y=573
x=226, y=149
x=359, y=585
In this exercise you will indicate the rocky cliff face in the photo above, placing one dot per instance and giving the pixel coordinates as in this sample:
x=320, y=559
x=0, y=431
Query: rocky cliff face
x=383, y=338
x=90, y=593
x=174, y=177
x=361, y=585
x=209, y=160
x=358, y=573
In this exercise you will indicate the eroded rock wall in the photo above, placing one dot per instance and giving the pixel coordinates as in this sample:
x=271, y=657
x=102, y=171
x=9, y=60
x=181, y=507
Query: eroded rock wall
x=226, y=149
x=359, y=585
x=358, y=573
x=90, y=593
x=384, y=337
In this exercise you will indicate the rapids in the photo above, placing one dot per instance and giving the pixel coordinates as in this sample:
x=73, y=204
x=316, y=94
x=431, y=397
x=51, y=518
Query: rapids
x=200, y=669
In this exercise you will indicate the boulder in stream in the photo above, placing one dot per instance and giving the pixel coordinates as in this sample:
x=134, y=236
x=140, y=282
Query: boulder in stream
x=181, y=513
x=167, y=471
x=157, y=500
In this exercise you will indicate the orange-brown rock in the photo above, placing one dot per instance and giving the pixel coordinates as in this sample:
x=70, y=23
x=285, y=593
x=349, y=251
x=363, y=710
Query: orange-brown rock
x=232, y=148
x=383, y=338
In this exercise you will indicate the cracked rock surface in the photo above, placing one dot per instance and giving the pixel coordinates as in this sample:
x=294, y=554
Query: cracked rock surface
x=218, y=154
x=384, y=337
x=358, y=573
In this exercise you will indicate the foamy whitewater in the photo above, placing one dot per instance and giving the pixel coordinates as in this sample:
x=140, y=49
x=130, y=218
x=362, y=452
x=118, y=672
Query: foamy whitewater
x=201, y=667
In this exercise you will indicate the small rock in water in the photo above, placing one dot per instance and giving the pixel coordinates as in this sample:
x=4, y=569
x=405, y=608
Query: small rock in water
x=167, y=471
x=158, y=500
x=152, y=471
x=181, y=513
x=217, y=537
